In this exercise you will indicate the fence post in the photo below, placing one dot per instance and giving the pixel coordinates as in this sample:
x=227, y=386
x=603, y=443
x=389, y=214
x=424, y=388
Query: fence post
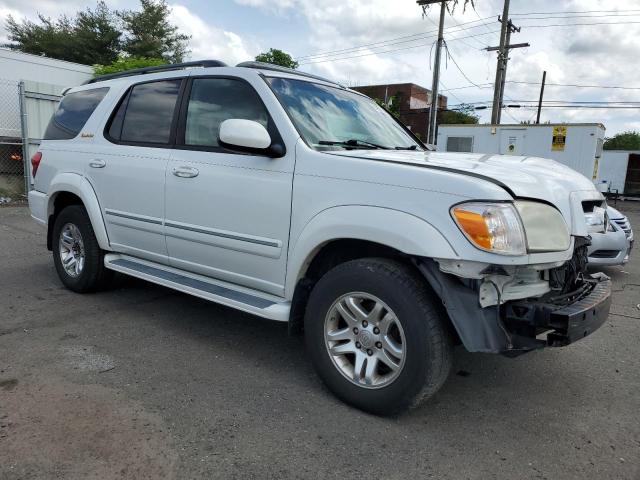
x=25, y=138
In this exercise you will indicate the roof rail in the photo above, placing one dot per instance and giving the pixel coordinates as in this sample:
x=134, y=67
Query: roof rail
x=278, y=68
x=159, y=68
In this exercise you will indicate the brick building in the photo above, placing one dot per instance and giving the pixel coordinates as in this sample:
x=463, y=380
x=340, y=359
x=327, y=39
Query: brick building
x=414, y=103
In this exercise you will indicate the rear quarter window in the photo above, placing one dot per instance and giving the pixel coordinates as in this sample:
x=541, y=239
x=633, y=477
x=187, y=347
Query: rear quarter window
x=73, y=112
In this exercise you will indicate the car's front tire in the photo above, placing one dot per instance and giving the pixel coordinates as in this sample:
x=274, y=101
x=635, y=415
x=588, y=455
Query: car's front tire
x=376, y=336
x=77, y=256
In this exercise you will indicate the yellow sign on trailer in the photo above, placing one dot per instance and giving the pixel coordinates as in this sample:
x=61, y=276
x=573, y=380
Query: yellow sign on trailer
x=559, y=138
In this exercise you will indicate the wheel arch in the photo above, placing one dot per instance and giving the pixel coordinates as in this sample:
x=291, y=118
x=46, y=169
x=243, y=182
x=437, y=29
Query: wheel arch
x=345, y=233
x=73, y=189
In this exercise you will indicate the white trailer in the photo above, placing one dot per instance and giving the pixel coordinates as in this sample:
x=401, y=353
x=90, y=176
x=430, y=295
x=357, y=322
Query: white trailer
x=577, y=145
x=620, y=171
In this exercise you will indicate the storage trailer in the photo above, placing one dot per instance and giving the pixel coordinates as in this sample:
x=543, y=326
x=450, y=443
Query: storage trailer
x=577, y=145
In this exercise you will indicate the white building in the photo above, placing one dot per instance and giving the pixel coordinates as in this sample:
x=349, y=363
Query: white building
x=38, y=81
x=578, y=146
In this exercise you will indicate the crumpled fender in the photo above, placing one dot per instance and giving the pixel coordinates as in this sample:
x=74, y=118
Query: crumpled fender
x=393, y=228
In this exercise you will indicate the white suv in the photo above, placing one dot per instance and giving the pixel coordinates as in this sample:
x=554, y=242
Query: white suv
x=296, y=199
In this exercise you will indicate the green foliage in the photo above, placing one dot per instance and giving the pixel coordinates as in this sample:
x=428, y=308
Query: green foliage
x=91, y=37
x=392, y=105
x=465, y=114
x=102, y=36
x=127, y=63
x=148, y=33
x=629, y=140
x=277, y=57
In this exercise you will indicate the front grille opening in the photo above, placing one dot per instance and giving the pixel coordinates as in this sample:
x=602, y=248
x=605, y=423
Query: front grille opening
x=589, y=205
x=604, y=254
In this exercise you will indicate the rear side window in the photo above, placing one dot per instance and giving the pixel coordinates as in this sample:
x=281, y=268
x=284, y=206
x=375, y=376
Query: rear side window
x=72, y=113
x=145, y=115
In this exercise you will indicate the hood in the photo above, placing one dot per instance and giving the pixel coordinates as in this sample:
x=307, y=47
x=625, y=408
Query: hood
x=523, y=177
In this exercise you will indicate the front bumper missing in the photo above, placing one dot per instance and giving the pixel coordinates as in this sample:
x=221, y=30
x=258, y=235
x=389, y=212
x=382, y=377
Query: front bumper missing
x=564, y=323
x=518, y=326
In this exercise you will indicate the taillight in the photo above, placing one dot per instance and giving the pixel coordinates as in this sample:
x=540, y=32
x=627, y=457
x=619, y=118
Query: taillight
x=35, y=163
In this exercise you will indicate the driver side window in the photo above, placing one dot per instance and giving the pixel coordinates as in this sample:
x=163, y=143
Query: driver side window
x=214, y=100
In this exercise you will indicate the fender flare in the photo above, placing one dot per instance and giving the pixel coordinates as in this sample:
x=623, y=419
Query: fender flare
x=80, y=186
x=392, y=228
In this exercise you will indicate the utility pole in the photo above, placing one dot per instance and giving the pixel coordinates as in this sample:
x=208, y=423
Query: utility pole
x=495, y=113
x=544, y=79
x=431, y=131
x=503, y=58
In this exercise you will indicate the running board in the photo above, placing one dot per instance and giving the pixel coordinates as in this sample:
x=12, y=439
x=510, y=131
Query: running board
x=245, y=299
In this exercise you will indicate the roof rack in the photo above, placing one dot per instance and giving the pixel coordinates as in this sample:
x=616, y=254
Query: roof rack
x=159, y=68
x=278, y=68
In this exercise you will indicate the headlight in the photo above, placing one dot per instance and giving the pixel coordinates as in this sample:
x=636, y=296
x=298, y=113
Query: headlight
x=545, y=227
x=494, y=227
x=513, y=228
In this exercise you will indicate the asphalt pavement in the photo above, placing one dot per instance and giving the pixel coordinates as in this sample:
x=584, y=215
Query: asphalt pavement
x=144, y=382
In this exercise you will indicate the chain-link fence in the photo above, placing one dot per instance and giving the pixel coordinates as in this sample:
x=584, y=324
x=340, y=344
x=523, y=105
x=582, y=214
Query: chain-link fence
x=12, y=177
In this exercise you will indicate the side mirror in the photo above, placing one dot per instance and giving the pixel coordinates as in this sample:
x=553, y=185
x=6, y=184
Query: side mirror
x=244, y=135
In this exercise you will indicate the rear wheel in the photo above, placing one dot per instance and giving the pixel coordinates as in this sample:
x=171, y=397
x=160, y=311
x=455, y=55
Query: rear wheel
x=376, y=337
x=77, y=256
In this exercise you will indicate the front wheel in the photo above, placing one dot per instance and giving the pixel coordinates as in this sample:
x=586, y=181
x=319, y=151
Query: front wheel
x=376, y=337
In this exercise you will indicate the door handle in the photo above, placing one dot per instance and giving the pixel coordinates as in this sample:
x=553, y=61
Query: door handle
x=185, y=172
x=97, y=163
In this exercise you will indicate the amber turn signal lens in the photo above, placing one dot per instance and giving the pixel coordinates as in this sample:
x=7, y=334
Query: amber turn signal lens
x=475, y=226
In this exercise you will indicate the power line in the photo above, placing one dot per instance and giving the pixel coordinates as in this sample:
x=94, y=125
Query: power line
x=391, y=41
x=481, y=21
x=390, y=51
x=574, y=85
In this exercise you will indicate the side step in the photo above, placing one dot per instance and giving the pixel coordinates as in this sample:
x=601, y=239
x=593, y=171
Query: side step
x=245, y=299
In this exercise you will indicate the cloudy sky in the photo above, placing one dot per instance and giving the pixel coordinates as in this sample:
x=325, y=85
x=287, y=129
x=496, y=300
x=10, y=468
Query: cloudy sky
x=578, y=42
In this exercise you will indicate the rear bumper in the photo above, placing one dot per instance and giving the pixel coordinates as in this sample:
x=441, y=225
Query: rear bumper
x=38, y=203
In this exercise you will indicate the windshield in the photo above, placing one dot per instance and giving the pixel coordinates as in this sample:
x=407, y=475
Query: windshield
x=330, y=118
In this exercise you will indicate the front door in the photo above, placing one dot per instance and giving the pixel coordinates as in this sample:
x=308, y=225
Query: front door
x=227, y=213
x=127, y=169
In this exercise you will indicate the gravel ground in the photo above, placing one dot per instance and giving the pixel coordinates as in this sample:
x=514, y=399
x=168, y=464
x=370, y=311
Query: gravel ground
x=144, y=382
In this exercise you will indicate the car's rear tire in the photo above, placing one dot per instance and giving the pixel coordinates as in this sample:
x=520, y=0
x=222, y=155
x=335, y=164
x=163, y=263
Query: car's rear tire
x=78, y=258
x=390, y=347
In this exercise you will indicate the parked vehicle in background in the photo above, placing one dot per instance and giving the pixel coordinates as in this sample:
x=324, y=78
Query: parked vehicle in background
x=612, y=240
x=293, y=198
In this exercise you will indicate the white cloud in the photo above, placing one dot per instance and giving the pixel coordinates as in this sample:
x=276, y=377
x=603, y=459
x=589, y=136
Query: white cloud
x=600, y=55
x=208, y=41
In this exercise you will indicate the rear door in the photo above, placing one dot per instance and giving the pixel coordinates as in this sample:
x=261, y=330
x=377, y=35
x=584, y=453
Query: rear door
x=227, y=213
x=127, y=167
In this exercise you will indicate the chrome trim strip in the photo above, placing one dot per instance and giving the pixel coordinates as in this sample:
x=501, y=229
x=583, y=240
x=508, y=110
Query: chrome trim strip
x=215, y=233
x=131, y=216
x=182, y=280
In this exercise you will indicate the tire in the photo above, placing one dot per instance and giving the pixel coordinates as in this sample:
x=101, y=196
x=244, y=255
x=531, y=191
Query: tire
x=92, y=274
x=394, y=383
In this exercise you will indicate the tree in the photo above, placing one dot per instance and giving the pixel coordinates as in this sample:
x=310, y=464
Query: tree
x=102, y=36
x=149, y=34
x=277, y=57
x=392, y=105
x=127, y=63
x=462, y=115
x=629, y=140
x=91, y=37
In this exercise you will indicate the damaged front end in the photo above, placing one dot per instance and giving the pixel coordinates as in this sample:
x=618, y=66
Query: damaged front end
x=513, y=310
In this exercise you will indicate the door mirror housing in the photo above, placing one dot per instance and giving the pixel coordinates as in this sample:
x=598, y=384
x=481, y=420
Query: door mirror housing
x=245, y=135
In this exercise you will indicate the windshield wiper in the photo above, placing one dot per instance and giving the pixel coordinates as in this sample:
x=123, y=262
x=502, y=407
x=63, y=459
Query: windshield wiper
x=410, y=147
x=353, y=143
